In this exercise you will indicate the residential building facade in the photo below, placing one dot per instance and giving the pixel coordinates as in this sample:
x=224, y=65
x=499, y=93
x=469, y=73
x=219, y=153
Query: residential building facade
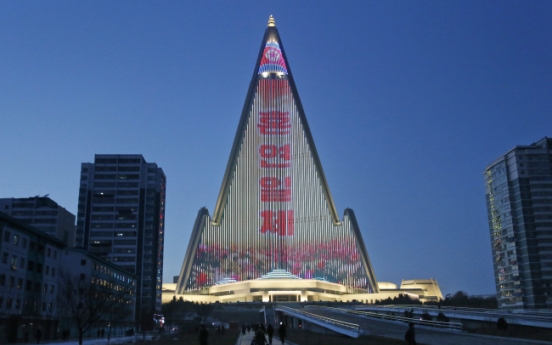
x=35, y=271
x=120, y=218
x=106, y=291
x=44, y=214
x=30, y=264
x=518, y=188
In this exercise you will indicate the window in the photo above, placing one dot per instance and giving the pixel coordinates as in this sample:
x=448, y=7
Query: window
x=48, y=252
x=30, y=265
x=2, y=279
x=20, y=283
x=52, y=289
x=47, y=270
x=4, y=258
x=55, y=254
x=53, y=272
x=29, y=285
x=82, y=276
x=9, y=303
x=14, y=262
x=7, y=236
x=15, y=240
x=17, y=303
x=11, y=281
x=22, y=262
x=83, y=262
x=24, y=243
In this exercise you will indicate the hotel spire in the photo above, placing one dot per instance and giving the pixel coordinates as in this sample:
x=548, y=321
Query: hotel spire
x=271, y=21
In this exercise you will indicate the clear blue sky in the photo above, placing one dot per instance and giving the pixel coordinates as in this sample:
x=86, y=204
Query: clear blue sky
x=408, y=101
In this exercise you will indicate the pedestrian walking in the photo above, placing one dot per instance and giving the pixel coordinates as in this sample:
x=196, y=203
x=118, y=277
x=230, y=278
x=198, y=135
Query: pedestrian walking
x=38, y=335
x=282, y=332
x=259, y=338
x=203, y=335
x=270, y=332
x=410, y=335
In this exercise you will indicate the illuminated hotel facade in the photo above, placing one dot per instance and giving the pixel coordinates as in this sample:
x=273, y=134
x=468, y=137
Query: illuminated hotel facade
x=275, y=233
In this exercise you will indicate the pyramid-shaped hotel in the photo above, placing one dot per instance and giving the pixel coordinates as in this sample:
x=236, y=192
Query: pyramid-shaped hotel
x=275, y=234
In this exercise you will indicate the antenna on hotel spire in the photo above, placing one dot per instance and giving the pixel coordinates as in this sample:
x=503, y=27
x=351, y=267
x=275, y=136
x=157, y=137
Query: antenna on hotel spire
x=271, y=21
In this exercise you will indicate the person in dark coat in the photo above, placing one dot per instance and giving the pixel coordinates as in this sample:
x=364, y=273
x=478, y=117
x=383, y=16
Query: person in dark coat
x=259, y=338
x=282, y=332
x=270, y=332
x=203, y=335
x=410, y=335
x=38, y=335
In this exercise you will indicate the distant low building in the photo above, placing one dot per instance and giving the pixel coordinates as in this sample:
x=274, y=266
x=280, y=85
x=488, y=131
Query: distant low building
x=44, y=214
x=281, y=286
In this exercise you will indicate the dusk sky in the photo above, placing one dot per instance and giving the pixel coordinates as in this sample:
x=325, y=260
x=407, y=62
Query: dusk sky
x=407, y=101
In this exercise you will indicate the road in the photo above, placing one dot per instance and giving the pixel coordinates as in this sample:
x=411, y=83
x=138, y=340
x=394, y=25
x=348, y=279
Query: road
x=425, y=335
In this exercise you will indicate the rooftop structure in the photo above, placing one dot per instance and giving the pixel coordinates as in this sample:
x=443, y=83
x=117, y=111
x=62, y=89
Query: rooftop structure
x=43, y=214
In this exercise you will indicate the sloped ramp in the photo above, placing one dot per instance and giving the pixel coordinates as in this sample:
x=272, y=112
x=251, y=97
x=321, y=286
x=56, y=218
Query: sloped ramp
x=342, y=327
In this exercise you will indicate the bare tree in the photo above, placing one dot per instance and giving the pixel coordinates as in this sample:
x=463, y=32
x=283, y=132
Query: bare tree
x=89, y=304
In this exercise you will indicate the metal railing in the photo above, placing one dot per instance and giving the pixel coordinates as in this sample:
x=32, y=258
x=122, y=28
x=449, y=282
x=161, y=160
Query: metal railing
x=417, y=321
x=536, y=319
x=343, y=324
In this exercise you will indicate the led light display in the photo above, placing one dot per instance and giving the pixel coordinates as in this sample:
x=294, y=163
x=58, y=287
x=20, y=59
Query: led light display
x=275, y=210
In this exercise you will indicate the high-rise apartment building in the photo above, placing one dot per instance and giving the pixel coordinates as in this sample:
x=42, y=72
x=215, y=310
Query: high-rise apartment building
x=519, y=204
x=121, y=219
x=43, y=214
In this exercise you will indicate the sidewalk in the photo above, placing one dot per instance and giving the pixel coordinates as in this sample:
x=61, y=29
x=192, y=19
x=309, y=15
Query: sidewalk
x=97, y=341
x=245, y=339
